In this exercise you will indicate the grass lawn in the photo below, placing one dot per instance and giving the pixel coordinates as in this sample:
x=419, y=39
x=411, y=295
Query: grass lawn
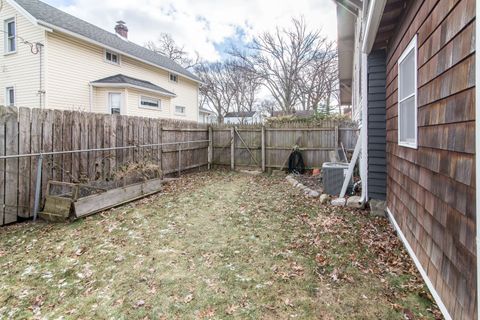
x=214, y=245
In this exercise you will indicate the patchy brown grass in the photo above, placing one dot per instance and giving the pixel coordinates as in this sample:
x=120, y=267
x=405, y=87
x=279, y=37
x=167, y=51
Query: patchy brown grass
x=214, y=245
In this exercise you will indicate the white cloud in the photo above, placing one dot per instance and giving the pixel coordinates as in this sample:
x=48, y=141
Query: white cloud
x=200, y=24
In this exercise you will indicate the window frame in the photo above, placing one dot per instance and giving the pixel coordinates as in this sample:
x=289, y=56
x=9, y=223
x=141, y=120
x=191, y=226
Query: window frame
x=110, y=61
x=7, y=38
x=175, y=76
x=159, y=108
x=9, y=103
x=109, y=106
x=411, y=46
x=184, y=113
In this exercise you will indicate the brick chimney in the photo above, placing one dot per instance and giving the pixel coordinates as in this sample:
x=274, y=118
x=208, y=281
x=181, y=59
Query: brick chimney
x=121, y=29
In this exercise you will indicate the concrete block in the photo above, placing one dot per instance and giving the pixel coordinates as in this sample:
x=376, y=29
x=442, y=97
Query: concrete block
x=339, y=202
x=377, y=208
x=324, y=198
x=354, y=202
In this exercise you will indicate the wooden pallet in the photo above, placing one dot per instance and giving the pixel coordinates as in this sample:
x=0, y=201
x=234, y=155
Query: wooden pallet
x=70, y=204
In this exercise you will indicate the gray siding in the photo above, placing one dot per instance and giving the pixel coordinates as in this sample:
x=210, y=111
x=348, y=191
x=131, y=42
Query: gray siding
x=377, y=165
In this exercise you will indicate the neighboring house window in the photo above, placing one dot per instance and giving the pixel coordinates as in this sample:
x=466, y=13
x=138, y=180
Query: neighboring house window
x=407, y=96
x=10, y=36
x=173, y=77
x=112, y=57
x=180, y=110
x=114, y=102
x=10, y=96
x=146, y=102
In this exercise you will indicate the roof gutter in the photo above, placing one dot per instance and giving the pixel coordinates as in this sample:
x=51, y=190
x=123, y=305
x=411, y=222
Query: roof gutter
x=86, y=39
x=352, y=8
x=375, y=12
x=128, y=85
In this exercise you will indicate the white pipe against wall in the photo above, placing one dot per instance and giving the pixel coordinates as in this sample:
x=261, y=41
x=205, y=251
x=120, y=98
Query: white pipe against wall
x=364, y=131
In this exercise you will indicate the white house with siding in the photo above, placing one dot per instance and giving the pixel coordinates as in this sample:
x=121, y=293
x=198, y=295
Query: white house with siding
x=54, y=60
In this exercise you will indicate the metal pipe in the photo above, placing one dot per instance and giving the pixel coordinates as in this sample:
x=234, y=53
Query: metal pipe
x=38, y=187
x=13, y=156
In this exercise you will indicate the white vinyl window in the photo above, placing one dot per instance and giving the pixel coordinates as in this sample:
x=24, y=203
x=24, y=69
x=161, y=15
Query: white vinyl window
x=152, y=103
x=180, y=110
x=112, y=57
x=10, y=96
x=173, y=77
x=114, y=102
x=407, y=96
x=10, y=30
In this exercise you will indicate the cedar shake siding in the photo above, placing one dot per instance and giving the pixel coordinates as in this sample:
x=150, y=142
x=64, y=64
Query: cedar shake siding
x=431, y=189
x=377, y=176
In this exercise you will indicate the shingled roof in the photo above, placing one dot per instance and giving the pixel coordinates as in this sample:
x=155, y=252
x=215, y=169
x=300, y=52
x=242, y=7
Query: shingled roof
x=58, y=20
x=133, y=82
x=241, y=114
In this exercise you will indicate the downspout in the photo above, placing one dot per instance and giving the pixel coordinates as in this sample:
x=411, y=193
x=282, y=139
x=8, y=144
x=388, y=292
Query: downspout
x=364, y=130
x=40, y=85
x=375, y=13
x=477, y=148
x=90, y=96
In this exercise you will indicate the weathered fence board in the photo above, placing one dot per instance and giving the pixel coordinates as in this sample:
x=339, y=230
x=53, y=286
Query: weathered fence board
x=11, y=167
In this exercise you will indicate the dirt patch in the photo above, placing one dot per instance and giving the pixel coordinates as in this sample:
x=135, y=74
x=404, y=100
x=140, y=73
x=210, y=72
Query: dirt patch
x=214, y=245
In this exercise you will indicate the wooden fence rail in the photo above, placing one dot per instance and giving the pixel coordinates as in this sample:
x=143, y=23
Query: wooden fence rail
x=33, y=131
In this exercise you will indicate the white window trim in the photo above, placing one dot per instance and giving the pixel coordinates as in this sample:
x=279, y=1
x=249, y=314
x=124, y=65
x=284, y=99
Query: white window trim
x=109, y=109
x=5, y=36
x=111, y=62
x=184, y=114
x=411, y=46
x=170, y=77
x=7, y=98
x=149, y=108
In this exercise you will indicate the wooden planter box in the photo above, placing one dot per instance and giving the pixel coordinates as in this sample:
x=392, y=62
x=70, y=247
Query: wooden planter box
x=71, y=203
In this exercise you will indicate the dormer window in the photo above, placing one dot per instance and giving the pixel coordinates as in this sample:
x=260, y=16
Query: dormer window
x=112, y=57
x=173, y=77
x=10, y=36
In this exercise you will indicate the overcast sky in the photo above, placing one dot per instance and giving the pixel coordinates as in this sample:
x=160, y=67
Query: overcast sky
x=205, y=26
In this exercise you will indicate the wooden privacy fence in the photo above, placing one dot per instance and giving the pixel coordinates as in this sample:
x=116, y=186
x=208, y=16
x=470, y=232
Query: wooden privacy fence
x=270, y=146
x=73, y=146
x=33, y=131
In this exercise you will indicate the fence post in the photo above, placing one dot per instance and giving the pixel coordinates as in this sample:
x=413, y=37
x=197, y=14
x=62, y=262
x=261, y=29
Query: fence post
x=210, y=147
x=38, y=186
x=263, y=149
x=336, y=137
x=179, y=159
x=161, y=148
x=232, y=148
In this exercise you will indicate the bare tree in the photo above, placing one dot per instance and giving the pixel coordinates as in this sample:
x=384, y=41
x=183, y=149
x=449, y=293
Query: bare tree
x=318, y=80
x=280, y=57
x=165, y=45
x=246, y=85
x=217, y=87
